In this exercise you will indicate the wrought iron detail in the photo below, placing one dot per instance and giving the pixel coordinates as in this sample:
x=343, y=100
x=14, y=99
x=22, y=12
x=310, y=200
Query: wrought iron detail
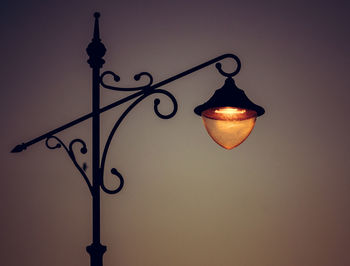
x=116, y=78
x=157, y=102
x=232, y=74
x=70, y=151
x=140, y=91
x=114, y=171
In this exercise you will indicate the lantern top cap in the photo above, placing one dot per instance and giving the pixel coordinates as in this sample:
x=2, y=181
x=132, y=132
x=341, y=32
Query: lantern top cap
x=229, y=95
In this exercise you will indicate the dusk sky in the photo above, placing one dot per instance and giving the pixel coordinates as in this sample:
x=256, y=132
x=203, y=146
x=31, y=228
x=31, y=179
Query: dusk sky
x=282, y=198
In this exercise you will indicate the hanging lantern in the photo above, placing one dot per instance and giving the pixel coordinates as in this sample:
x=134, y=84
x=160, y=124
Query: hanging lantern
x=229, y=116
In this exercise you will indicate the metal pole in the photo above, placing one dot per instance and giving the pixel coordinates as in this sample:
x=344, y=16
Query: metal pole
x=96, y=51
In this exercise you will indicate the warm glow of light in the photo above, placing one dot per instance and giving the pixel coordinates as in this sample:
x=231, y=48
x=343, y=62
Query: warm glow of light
x=229, y=126
x=229, y=110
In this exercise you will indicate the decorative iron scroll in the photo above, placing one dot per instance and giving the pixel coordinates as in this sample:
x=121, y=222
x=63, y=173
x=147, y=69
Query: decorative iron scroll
x=116, y=78
x=141, y=93
x=114, y=171
x=70, y=151
x=145, y=91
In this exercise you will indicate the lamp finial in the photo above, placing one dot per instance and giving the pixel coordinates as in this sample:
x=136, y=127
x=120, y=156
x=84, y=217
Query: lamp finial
x=96, y=27
x=96, y=50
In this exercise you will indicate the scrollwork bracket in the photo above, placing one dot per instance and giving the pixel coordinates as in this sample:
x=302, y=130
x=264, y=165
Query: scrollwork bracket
x=70, y=151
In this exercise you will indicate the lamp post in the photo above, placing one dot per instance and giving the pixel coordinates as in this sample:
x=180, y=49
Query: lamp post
x=229, y=117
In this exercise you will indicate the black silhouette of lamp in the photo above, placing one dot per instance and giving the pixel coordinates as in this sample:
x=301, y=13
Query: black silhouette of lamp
x=229, y=116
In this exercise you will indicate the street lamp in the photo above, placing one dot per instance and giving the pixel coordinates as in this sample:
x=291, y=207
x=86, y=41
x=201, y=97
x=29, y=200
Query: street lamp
x=229, y=117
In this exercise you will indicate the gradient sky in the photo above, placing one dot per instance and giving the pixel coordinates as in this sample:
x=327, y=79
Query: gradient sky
x=282, y=198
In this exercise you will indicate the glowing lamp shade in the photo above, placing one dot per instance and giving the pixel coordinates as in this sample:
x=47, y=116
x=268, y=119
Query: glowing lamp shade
x=229, y=126
x=229, y=116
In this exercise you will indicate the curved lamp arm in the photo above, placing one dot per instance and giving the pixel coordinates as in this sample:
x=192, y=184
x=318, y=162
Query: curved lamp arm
x=142, y=92
x=145, y=91
x=24, y=145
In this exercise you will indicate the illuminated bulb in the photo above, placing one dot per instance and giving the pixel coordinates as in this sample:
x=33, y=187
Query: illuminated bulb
x=229, y=126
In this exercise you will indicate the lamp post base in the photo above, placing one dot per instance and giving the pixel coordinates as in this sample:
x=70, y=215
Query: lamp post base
x=96, y=252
